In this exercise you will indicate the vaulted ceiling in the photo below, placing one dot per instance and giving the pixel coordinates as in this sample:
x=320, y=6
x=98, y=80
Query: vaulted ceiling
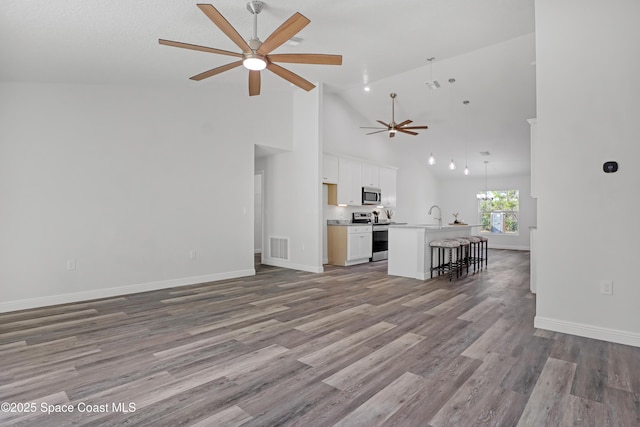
x=486, y=46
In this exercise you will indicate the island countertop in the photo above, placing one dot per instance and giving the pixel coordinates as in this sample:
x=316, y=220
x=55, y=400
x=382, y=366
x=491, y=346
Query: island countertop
x=435, y=227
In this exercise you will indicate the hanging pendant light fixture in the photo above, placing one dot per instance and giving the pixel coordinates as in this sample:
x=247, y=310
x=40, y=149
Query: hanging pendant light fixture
x=485, y=195
x=452, y=165
x=433, y=84
x=466, y=138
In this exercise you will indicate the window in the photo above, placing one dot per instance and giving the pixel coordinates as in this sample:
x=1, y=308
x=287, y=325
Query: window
x=498, y=211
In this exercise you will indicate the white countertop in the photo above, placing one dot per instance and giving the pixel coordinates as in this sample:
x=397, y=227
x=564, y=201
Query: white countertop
x=348, y=223
x=435, y=227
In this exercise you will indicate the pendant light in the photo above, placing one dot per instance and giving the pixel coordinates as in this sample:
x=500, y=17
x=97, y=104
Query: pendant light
x=485, y=195
x=433, y=84
x=466, y=138
x=452, y=165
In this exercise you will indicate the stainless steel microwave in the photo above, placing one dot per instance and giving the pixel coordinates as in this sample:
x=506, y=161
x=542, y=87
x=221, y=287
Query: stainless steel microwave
x=371, y=196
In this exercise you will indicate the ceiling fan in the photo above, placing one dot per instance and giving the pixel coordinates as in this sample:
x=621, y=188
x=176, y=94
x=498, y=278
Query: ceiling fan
x=392, y=127
x=256, y=55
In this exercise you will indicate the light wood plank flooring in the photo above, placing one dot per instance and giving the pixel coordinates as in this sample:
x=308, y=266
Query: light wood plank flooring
x=349, y=347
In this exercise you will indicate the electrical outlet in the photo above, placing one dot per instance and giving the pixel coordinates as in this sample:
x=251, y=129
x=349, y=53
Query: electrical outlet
x=193, y=254
x=71, y=264
x=606, y=287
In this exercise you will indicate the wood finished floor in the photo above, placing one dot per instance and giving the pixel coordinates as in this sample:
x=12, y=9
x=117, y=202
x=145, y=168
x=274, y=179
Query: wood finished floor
x=349, y=347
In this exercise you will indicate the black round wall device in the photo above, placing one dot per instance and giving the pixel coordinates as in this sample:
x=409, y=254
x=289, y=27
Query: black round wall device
x=610, y=167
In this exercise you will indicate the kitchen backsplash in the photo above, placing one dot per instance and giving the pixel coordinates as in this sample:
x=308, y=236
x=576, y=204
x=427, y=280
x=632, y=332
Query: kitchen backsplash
x=344, y=212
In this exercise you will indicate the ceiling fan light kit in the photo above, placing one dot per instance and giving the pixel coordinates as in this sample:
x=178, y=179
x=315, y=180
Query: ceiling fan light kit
x=254, y=62
x=256, y=55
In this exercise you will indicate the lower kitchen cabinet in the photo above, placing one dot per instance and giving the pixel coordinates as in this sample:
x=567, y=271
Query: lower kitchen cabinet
x=349, y=244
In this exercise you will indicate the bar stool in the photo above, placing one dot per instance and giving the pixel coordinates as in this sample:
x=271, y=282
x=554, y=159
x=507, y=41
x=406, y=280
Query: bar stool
x=475, y=251
x=483, y=246
x=463, y=258
x=442, y=246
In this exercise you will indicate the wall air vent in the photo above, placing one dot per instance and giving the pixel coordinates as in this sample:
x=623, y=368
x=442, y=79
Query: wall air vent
x=279, y=248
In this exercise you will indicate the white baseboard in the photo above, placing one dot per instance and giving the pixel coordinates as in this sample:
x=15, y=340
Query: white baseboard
x=292, y=266
x=588, y=331
x=119, y=291
x=510, y=247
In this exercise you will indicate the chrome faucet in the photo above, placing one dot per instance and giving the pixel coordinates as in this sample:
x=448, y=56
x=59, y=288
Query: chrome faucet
x=440, y=212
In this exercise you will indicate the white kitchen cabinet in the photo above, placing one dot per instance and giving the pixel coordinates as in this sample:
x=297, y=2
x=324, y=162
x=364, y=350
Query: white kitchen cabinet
x=349, y=244
x=349, y=191
x=359, y=243
x=370, y=176
x=330, y=169
x=388, y=178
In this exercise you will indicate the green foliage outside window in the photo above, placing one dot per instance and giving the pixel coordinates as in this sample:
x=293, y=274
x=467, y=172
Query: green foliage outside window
x=499, y=211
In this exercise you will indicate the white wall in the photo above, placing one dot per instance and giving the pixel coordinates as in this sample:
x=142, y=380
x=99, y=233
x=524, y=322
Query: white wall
x=126, y=183
x=459, y=195
x=257, y=212
x=293, y=189
x=587, y=88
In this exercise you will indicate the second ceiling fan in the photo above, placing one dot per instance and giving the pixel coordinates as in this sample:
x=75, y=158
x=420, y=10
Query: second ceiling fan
x=256, y=54
x=392, y=127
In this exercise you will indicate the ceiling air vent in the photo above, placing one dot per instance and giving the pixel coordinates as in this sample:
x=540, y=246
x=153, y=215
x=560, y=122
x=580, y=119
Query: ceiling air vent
x=485, y=153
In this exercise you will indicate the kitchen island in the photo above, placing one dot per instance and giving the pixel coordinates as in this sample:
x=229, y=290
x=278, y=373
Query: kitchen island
x=409, y=251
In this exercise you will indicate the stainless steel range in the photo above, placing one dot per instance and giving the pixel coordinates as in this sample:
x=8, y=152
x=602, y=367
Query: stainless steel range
x=380, y=247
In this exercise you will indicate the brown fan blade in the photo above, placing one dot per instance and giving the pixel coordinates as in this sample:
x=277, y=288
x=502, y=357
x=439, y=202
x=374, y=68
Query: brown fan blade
x=254, y=82
x=406, y=122
x=383, y=124
x=406, y=131
x=200, y=48
x=290, y=76
x=224, y=25
x=215, y=71
x=284, y=32
x=415, y=127
x=378, y=131
x=306, y=58
x=372, y=127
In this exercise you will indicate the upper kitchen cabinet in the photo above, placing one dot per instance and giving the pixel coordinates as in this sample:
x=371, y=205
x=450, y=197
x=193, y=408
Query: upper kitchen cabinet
x=387, y=178
x=330, y=169
x=370, y=176
x=349, y=191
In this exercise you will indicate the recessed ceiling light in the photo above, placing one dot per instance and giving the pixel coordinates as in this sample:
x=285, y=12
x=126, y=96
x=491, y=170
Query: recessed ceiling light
x=294, y=41
x=367, y=88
